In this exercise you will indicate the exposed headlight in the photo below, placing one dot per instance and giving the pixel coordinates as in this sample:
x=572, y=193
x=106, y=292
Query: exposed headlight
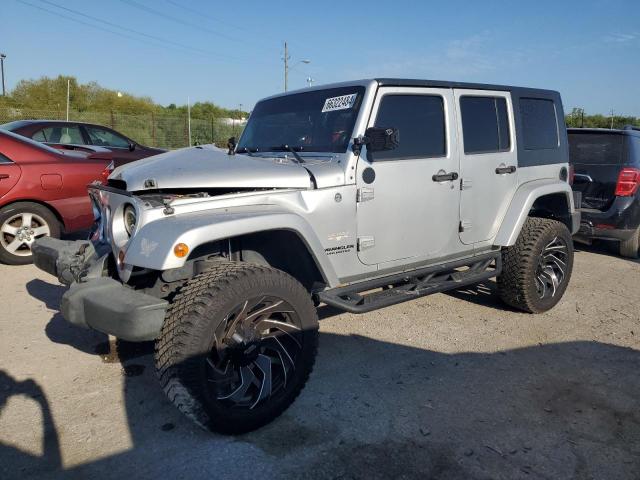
x=130, y=219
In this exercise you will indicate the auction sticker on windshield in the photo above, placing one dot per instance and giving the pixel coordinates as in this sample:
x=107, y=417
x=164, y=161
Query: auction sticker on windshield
x=342, y=102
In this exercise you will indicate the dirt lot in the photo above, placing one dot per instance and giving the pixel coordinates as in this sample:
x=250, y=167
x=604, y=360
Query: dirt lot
x=448, y=386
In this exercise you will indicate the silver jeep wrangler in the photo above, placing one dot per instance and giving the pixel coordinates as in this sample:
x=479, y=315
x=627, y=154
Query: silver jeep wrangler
x=358, y=195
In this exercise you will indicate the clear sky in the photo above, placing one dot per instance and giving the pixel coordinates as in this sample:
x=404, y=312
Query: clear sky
x=231, y=52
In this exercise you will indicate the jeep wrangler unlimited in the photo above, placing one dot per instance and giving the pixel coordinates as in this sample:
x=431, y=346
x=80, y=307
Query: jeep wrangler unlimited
x=357, y=195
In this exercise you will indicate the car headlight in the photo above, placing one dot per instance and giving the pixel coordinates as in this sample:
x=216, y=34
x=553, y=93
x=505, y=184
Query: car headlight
x=130, y=219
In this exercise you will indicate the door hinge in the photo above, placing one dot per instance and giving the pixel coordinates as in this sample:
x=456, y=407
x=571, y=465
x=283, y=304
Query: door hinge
x=364, y=194
x=465, y=225
x=365, y=243
x=465, y=183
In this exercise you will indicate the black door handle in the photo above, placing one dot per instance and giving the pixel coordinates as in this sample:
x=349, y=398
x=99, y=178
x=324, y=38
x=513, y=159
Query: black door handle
x=502, y=170
x=4, y=175
x=445, y=177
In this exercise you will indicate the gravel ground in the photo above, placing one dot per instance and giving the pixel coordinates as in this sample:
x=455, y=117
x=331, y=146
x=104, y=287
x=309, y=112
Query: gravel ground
x=451, y=386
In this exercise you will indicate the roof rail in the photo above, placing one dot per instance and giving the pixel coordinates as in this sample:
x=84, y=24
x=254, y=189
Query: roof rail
x=631, y=127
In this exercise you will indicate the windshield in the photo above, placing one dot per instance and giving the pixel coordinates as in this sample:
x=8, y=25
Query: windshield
x=314, y=121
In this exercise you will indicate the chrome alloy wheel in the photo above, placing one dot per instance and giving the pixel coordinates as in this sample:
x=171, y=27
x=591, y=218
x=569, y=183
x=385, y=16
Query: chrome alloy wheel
x=18, y=233
x=552, y=268
x=255, y=351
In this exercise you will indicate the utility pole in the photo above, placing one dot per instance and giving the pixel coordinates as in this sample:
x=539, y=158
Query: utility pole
x=68, y=88
x=2, y=57
x=612, y=119
x=286, y=66
x=189, y=118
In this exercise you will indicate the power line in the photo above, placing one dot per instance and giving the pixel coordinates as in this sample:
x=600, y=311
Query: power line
x=153, y=37
x=209, y=17
x=82, y=22
x=144, y=8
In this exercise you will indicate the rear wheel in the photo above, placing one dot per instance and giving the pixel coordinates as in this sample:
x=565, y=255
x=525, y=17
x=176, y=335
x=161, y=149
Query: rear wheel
x=237, y=347
x=537, y=269
x=20, y=225
x=631, y=248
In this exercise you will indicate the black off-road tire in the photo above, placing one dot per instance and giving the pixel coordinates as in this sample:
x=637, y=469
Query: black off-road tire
x=520, y=262
x=185, y=344
x=631, y=248
x=41, y=214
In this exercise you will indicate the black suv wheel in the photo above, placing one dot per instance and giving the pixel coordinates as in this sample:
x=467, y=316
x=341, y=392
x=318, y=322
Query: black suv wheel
x=536, y=270
x=237, y=347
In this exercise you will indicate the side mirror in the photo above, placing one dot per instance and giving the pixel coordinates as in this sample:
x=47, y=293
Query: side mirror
x=378, y=139
x=132, y=147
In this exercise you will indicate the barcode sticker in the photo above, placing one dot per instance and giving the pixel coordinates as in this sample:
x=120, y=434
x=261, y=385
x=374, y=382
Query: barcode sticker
x=343, y=102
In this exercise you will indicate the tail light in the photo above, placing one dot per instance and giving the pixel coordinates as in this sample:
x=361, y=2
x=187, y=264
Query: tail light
x=572, y=174
x=107, y=171
x=628, y=182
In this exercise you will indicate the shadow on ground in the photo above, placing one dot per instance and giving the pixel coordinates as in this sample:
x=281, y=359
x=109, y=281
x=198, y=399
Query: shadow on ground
x=381, y=410
x=602, y=247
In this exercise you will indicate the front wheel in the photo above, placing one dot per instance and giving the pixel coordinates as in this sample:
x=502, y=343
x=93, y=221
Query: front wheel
x=537, y=269
x=21, y=224
x=237, y=346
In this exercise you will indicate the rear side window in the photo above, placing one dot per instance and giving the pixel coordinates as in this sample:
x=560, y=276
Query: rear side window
x=420, y=123
x=596, y=148
x=63, y=134
x=539, y=124
x=4, y=159
x=485, y=124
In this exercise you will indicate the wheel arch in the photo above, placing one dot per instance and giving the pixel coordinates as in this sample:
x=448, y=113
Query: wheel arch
x=46, y=205
x=541, y=198
x=277, y=238
x=279, y=248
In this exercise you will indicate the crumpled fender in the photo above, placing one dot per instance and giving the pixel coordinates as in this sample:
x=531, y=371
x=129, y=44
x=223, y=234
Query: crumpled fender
x=152, y=246
x=521, y=204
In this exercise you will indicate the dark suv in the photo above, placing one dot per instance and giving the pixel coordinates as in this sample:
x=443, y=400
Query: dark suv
x=607, y=171
x=60, y=133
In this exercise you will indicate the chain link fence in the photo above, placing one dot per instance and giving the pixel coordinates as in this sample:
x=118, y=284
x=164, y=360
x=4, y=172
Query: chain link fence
x=152, y=129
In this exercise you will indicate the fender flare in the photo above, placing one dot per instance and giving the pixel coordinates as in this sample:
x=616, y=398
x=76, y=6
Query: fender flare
x=521, y=204
x=152, y=246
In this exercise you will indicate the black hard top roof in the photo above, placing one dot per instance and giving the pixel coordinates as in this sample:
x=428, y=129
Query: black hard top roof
x=412, y=82
x=628, y=130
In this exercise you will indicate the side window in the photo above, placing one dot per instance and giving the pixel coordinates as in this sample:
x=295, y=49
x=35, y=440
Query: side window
x=105, y=138
x=39, y=136
x=539, y=124
x=420, y=123
x=485, y=124
x=4, y=159
x=63, y=134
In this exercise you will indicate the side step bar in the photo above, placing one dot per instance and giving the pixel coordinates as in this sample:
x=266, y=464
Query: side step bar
x=396, y=288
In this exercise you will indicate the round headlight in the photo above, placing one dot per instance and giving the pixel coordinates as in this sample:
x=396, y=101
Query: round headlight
x=130, y=219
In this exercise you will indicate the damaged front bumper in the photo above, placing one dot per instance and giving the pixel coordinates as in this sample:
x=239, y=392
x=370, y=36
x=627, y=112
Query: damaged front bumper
x=95, y=300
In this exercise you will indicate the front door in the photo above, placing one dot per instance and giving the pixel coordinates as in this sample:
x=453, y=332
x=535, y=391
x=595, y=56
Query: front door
x=408, y=198
x=488, y=162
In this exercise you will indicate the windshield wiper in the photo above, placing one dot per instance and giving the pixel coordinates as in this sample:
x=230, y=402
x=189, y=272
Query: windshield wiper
x=289, y=148
x=247, y=150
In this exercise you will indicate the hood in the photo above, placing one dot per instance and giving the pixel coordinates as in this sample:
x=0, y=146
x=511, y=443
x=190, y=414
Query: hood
x=207, y=167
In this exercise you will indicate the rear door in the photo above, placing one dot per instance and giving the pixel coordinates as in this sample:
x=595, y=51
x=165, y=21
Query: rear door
x=488, y=162
x=597, y=159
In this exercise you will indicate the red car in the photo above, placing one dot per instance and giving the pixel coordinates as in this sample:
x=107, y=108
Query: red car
x=60, y=132
x=43, y=191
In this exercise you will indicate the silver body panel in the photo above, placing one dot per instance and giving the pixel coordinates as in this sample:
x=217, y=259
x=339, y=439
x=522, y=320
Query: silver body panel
x=407, y=221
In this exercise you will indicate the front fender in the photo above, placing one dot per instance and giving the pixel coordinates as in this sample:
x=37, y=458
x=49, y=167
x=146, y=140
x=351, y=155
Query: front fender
x=152, y=246
x=521, y=204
